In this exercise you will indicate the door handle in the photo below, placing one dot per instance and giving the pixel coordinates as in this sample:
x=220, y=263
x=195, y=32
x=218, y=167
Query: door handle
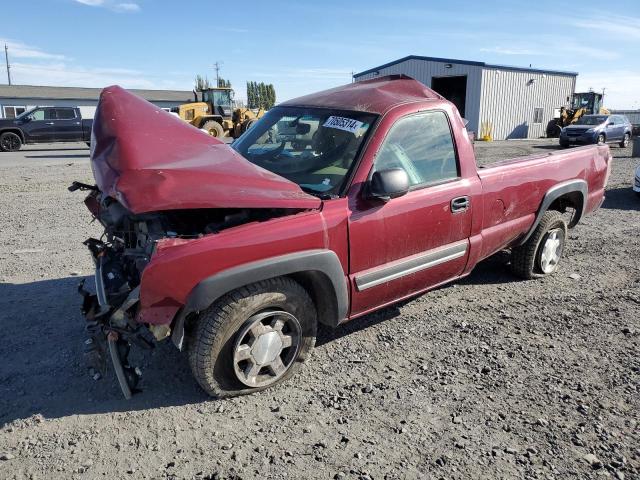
x=49, y=123
x=460, y=204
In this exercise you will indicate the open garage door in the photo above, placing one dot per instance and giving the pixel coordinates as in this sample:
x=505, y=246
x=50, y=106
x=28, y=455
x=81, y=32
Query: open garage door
x=452, y=88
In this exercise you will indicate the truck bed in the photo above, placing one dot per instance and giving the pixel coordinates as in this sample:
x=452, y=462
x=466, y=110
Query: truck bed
x=514, y=188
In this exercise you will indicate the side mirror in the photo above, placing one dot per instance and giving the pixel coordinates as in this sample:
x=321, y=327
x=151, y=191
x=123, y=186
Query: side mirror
x=388, y=184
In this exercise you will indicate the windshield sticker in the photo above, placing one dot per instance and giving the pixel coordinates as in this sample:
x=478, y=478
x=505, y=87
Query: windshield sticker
x=342, y=123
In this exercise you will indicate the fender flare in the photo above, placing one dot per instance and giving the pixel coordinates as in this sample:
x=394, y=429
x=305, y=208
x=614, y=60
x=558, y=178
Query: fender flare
x=554, y=193
x=16, y=130
x=210, y=289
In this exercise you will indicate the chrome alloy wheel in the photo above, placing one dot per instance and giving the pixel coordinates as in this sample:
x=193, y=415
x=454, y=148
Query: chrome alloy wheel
x=266, y=347
x=551, y=251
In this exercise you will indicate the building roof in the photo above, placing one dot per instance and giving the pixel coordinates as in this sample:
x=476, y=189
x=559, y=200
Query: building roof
x=376, y=95
x=464, y=62
x=80, y=93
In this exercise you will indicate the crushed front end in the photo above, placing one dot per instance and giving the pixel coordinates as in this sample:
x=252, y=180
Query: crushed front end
x=115, y=319
x=120, y=256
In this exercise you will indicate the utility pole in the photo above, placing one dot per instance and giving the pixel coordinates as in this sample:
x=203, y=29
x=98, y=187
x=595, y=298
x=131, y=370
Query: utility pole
x=6, y=59
x=217, y=66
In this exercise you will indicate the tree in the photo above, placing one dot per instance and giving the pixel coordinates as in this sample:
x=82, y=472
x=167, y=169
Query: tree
x=201, y=83
x=222, y=83
x=260, y=95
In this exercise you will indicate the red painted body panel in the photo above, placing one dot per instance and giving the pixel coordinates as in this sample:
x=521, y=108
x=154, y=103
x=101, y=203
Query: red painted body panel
x=177, y=267
x=373, y=96
x=367, y=236
x=150, y=160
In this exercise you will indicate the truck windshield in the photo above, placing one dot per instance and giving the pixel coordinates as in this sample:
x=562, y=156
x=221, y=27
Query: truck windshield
x=313, y=147
x=591, y=120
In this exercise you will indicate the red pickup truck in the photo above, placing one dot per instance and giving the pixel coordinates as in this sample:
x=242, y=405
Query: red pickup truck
x=333, y=205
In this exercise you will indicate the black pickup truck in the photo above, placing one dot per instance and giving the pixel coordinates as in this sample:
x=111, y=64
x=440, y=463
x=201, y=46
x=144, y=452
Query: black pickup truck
x=44, y=125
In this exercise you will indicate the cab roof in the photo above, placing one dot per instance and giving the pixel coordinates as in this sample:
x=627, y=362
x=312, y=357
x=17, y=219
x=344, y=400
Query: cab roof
x=373, y=96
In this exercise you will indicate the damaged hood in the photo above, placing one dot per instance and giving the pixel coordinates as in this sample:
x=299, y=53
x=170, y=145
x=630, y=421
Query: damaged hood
x=150, y=160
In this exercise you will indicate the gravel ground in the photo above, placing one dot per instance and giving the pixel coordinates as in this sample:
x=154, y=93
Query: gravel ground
x=491, y=377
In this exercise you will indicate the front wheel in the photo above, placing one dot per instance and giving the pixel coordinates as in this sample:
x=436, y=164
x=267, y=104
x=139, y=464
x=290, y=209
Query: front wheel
x=601, y=139
x=213, y=128
x=252, y=338
x=10, y=142
x=541, y=254
x=625, y=141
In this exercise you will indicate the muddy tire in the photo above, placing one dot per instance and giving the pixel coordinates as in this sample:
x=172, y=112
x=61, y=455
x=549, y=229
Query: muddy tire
x=252, y=338
x=10, y=142
x=540, y=255
x=213, y=128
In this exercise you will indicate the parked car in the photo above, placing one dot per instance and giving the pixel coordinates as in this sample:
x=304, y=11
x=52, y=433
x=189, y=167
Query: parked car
x=238, y=253
x=597, y=129
x=636, y=181
x=44, y=125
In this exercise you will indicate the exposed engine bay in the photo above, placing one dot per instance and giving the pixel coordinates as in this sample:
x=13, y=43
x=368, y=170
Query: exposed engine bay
x=120, y=256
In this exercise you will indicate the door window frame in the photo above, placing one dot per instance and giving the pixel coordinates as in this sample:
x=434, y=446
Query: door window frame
x=434, y=183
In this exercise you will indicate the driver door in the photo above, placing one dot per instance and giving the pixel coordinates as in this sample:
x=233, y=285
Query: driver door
x=410, y=243
x=36, y=129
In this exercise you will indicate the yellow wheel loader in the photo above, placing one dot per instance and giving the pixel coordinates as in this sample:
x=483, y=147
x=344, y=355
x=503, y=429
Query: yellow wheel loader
x=586, y=103
x=215, y=114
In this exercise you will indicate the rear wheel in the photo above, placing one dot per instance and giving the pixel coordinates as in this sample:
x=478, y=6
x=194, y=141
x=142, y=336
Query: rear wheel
x=601, y=138
x=541, y=254
x=10, y=142
x=213, y=128
x=252, y=338
x=625, y=141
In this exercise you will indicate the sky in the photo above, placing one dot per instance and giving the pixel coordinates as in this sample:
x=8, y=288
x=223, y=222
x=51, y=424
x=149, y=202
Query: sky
x=305, y=46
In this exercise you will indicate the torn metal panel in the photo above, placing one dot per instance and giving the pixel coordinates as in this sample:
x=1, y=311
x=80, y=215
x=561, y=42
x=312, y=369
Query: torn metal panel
x=150, y=160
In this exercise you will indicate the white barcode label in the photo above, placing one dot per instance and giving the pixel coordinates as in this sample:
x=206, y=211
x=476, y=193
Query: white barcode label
x=342, y=123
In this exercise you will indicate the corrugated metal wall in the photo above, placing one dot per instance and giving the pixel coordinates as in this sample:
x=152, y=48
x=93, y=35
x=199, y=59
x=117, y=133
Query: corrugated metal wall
x=632, y=115
x=424, y=71
x=509, y=99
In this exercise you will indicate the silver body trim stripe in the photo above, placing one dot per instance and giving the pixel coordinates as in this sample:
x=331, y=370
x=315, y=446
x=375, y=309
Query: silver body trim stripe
x=429, y=259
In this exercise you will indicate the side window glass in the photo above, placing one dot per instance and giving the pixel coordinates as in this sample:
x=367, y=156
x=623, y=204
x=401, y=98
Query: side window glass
x=65, y=113
x=49, y=114
x=421, y=145
x=37, y=115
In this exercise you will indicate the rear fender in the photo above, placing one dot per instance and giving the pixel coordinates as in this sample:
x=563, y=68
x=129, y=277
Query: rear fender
x=574, y=190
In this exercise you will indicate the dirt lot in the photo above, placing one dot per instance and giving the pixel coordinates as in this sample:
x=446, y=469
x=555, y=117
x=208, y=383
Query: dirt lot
x=488, y=378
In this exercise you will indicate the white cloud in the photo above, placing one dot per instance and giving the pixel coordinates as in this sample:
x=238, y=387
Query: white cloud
x=21, y=50
x=66, y=75
x=511, y=51
x=91, y=3
x=624, y=27
x=551, y=48
x=126, y=7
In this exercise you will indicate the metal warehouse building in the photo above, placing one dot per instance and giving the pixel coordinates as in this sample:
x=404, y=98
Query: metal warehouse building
x=509, y=102
x=15, y=99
